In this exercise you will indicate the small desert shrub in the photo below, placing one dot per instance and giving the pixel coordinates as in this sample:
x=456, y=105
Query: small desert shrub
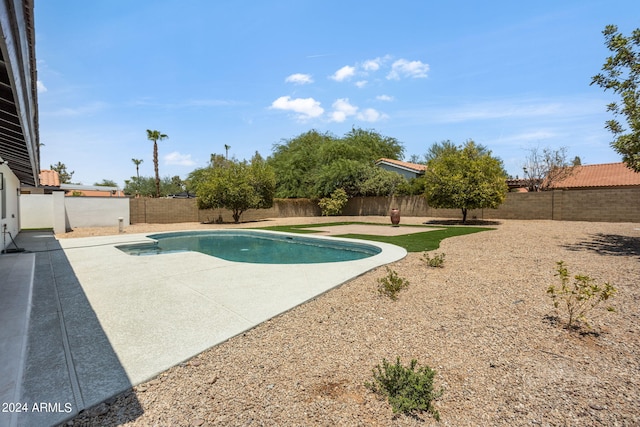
x=408, y=390
x=330, y=206
x=437, y=261
x=391, y=284
x=580, y=297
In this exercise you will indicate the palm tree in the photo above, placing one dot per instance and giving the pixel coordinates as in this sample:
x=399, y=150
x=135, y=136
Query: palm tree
x=155, y=136
x=226, y=149
x=137, y=163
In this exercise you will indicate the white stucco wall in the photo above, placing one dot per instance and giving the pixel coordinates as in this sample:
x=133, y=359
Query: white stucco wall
x=96, y=211
x=63, y=213
x=36, y=211
x=9, y=206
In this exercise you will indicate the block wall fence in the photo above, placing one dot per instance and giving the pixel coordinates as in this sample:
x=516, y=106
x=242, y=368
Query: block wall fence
x=606, y=205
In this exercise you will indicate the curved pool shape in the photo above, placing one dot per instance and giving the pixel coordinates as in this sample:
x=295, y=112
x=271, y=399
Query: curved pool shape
x=254, y=247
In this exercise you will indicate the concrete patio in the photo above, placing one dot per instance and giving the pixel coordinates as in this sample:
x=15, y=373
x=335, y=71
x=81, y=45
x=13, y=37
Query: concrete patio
x=102, y=321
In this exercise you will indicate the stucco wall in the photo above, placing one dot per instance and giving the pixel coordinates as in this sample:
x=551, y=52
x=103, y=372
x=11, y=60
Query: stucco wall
x=8, y=206
x=36, y=211
x=96, y=211
x=62, y=213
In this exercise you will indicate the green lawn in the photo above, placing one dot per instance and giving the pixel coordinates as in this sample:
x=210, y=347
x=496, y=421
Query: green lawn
x=416, y=242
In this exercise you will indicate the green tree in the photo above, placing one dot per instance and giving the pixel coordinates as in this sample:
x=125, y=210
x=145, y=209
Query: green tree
x=621, y=74
x=155, y=136
x=63, y=173
x=145, y=186
x=296, y=161
x=437, y=150
x=464, y=177
x=314, y=164
x=236, y=186
x=106, y=183
x=376, y=181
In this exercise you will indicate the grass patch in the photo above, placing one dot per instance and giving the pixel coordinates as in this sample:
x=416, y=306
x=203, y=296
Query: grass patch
x=416, y=242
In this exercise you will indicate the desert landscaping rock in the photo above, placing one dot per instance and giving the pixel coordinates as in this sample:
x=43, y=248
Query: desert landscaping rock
x=484, y=322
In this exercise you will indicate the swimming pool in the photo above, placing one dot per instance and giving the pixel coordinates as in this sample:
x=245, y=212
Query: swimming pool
x=252, y=246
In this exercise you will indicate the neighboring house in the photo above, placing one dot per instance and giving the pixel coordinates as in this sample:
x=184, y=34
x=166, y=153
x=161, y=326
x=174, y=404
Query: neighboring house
x=607, y=175
x=19, y=139
x=50, y=181
x=406, y=169
x=91, y=190
x=183, y=195
x=517, y=185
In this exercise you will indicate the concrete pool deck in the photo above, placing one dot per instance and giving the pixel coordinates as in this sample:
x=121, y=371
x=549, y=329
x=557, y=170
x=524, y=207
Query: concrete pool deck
x=103, y=320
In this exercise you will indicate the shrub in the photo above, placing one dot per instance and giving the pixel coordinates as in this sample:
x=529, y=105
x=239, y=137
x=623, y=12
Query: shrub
x=330, y=206
x=406, y=389
x=437, y=261
x=391, y=284
x=580, y=297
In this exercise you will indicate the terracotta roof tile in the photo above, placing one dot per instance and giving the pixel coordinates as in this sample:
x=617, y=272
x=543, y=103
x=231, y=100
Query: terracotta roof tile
x=412, y=166
x=49, y=178
x=603, y=175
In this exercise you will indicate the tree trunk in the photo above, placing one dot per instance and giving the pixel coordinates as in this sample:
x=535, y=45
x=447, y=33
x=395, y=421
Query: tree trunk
x=155, y=167
x=464, y=215
x=236, y=215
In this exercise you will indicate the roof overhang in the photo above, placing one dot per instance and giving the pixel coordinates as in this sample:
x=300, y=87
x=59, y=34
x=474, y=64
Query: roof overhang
x=19, y=137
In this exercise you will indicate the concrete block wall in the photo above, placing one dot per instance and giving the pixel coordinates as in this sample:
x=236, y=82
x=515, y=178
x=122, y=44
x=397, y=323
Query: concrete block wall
x=163, y=211
x=609, y=205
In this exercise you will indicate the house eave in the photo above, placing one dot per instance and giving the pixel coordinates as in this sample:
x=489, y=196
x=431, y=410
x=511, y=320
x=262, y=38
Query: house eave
x=19, y=136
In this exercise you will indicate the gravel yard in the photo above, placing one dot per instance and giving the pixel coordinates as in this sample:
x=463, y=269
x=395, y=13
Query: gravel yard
x=483, y=322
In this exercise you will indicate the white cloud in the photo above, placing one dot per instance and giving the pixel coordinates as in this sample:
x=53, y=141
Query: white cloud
x=305, y=107
x=361, y=83
x=342, y=109
x=373, y=64
x=299, y=79
x=41, y=87
x=411, y=69
x=344, y=73
x=385, y=98
x=371, y=115
x=175, y=158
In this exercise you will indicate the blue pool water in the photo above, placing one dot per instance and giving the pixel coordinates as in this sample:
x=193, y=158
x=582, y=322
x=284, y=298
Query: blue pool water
x=254, y=247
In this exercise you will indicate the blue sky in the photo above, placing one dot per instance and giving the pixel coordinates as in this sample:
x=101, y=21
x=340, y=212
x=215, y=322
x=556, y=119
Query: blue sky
x=510, y=75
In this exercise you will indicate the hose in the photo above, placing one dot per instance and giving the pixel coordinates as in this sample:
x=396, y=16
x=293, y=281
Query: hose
x=8, y=250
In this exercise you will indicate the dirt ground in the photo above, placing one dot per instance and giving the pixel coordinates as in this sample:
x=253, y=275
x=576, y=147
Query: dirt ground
x=484, y=322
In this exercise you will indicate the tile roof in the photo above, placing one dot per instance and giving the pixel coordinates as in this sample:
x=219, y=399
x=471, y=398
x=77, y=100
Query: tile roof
x=415, y=167
x=94, y=193
x=603, y=175
x=49, y=178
